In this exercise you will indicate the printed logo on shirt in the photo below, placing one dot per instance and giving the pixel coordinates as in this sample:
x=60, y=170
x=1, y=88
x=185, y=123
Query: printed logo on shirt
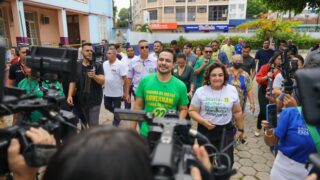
x=216, y=107
x=303, y=131
x=139, y=67
x=159, y=112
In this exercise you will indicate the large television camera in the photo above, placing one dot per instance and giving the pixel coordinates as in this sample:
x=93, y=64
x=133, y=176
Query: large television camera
x=288, y=68
x=50, y=64
x=172, y=157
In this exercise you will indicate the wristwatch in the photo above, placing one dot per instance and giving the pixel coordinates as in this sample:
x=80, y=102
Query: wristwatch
x=241, y=130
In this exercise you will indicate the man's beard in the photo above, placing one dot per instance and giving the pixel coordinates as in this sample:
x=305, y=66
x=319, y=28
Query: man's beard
x=166, y=72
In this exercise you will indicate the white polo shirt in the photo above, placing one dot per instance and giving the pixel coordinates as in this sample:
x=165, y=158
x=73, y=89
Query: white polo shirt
x=113, y=73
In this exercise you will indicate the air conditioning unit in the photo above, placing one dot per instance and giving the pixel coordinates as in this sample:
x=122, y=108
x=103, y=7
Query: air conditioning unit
x=45, y=20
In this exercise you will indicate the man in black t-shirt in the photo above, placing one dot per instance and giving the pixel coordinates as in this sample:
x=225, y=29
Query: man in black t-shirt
x=263, y=55
x=16, y=71
x=249, y=63
x=87, y=87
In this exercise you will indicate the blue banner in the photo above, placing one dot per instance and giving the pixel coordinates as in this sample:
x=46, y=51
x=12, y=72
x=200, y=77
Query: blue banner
x=207, y=27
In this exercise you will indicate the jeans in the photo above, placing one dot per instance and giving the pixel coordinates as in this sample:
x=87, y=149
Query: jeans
x=110, y=103
x=91, y=115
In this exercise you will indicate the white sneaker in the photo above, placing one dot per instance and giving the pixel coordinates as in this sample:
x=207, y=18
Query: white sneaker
x=257, y=132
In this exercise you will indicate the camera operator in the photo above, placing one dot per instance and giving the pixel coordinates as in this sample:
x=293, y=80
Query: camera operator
x=88, y=87
x=294, y=139
x=16, y=71
x=17, y=163
x=161, y=91
x=32, y=86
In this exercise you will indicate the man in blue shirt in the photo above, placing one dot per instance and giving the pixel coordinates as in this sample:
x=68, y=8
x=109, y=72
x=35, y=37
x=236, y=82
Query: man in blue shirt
x=238, y=47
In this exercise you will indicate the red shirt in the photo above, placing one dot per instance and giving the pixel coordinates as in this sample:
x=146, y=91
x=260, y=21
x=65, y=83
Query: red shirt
x=14, y=60
x=263, y=72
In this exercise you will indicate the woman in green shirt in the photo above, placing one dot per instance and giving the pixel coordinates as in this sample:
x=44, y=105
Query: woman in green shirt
x=31, y=85
x=184, y=72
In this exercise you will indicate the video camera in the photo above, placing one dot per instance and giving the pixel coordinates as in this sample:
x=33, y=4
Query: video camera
x=13, y=100
x=173, y=157
x=288, y=68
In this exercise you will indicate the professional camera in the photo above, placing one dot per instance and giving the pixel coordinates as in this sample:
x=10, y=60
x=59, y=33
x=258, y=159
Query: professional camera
x=288, y=68
x=99, y=52
x=308, y=81
x=172, y=157
x=48, y=64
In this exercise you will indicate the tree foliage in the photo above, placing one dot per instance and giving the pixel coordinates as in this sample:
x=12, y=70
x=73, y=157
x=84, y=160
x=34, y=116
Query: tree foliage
x=296, y=6
x=123, y=18
x=123, y=14
x=255, y=8
x=115, y=10
x=143, y=28
x=266, y=28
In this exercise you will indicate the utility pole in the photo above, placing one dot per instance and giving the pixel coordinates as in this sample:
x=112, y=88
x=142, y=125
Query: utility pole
x=130, y=16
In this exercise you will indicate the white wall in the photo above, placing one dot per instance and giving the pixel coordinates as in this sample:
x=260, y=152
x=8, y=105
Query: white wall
x=68, y=4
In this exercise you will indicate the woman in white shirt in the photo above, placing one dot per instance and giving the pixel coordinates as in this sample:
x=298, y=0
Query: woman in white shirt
x=213, y=106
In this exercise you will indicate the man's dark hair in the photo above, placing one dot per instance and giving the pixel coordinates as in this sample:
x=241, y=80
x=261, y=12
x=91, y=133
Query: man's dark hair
x=101, y=153
x=171, y=52
x=282, y=41
x=214, y=41
x=300, y=58
x=86, y=44
x=130, y=47
x=174, y=42
x=158, y=42
x=182, y=56
x=211, y=68
x=247, y=46
x=117, y=46
x=188, y=44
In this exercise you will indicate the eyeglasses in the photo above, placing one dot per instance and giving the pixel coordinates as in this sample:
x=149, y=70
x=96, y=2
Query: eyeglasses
x=144, y=47
x=207, y=52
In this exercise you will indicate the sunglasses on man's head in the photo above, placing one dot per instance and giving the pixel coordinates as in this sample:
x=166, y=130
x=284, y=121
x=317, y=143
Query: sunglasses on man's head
x=144, y=47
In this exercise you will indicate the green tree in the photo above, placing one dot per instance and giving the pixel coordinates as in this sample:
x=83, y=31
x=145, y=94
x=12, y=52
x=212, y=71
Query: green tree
x=115, y=11
x=271, y=29
x=255, y=8
x=123, y=14
x=296, y=6
x=143, y=28
x=123, y=18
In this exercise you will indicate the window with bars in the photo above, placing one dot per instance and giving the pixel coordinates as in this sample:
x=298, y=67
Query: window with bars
x=180, y=14
x=179, y=1
x=31, y=26
x=153, y=14
x=191, y=13
x=152, y=1
x=191, y=0
x=218, y=13
x=168, y=10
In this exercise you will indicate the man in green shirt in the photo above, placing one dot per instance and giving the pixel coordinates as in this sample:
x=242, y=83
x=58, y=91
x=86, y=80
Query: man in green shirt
x=159, y=92
x=202, y=64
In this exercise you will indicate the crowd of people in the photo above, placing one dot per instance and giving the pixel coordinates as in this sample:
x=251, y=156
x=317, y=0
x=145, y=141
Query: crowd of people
x=209, y=85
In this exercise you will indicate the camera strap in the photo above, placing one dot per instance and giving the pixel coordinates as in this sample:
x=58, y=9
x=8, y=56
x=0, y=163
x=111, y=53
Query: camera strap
x=313, y=132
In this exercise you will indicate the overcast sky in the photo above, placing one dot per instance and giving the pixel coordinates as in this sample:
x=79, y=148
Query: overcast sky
x=122, y=4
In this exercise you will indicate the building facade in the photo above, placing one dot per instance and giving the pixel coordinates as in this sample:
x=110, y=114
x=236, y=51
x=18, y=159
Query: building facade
x=185, y=15
x=50, y=22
